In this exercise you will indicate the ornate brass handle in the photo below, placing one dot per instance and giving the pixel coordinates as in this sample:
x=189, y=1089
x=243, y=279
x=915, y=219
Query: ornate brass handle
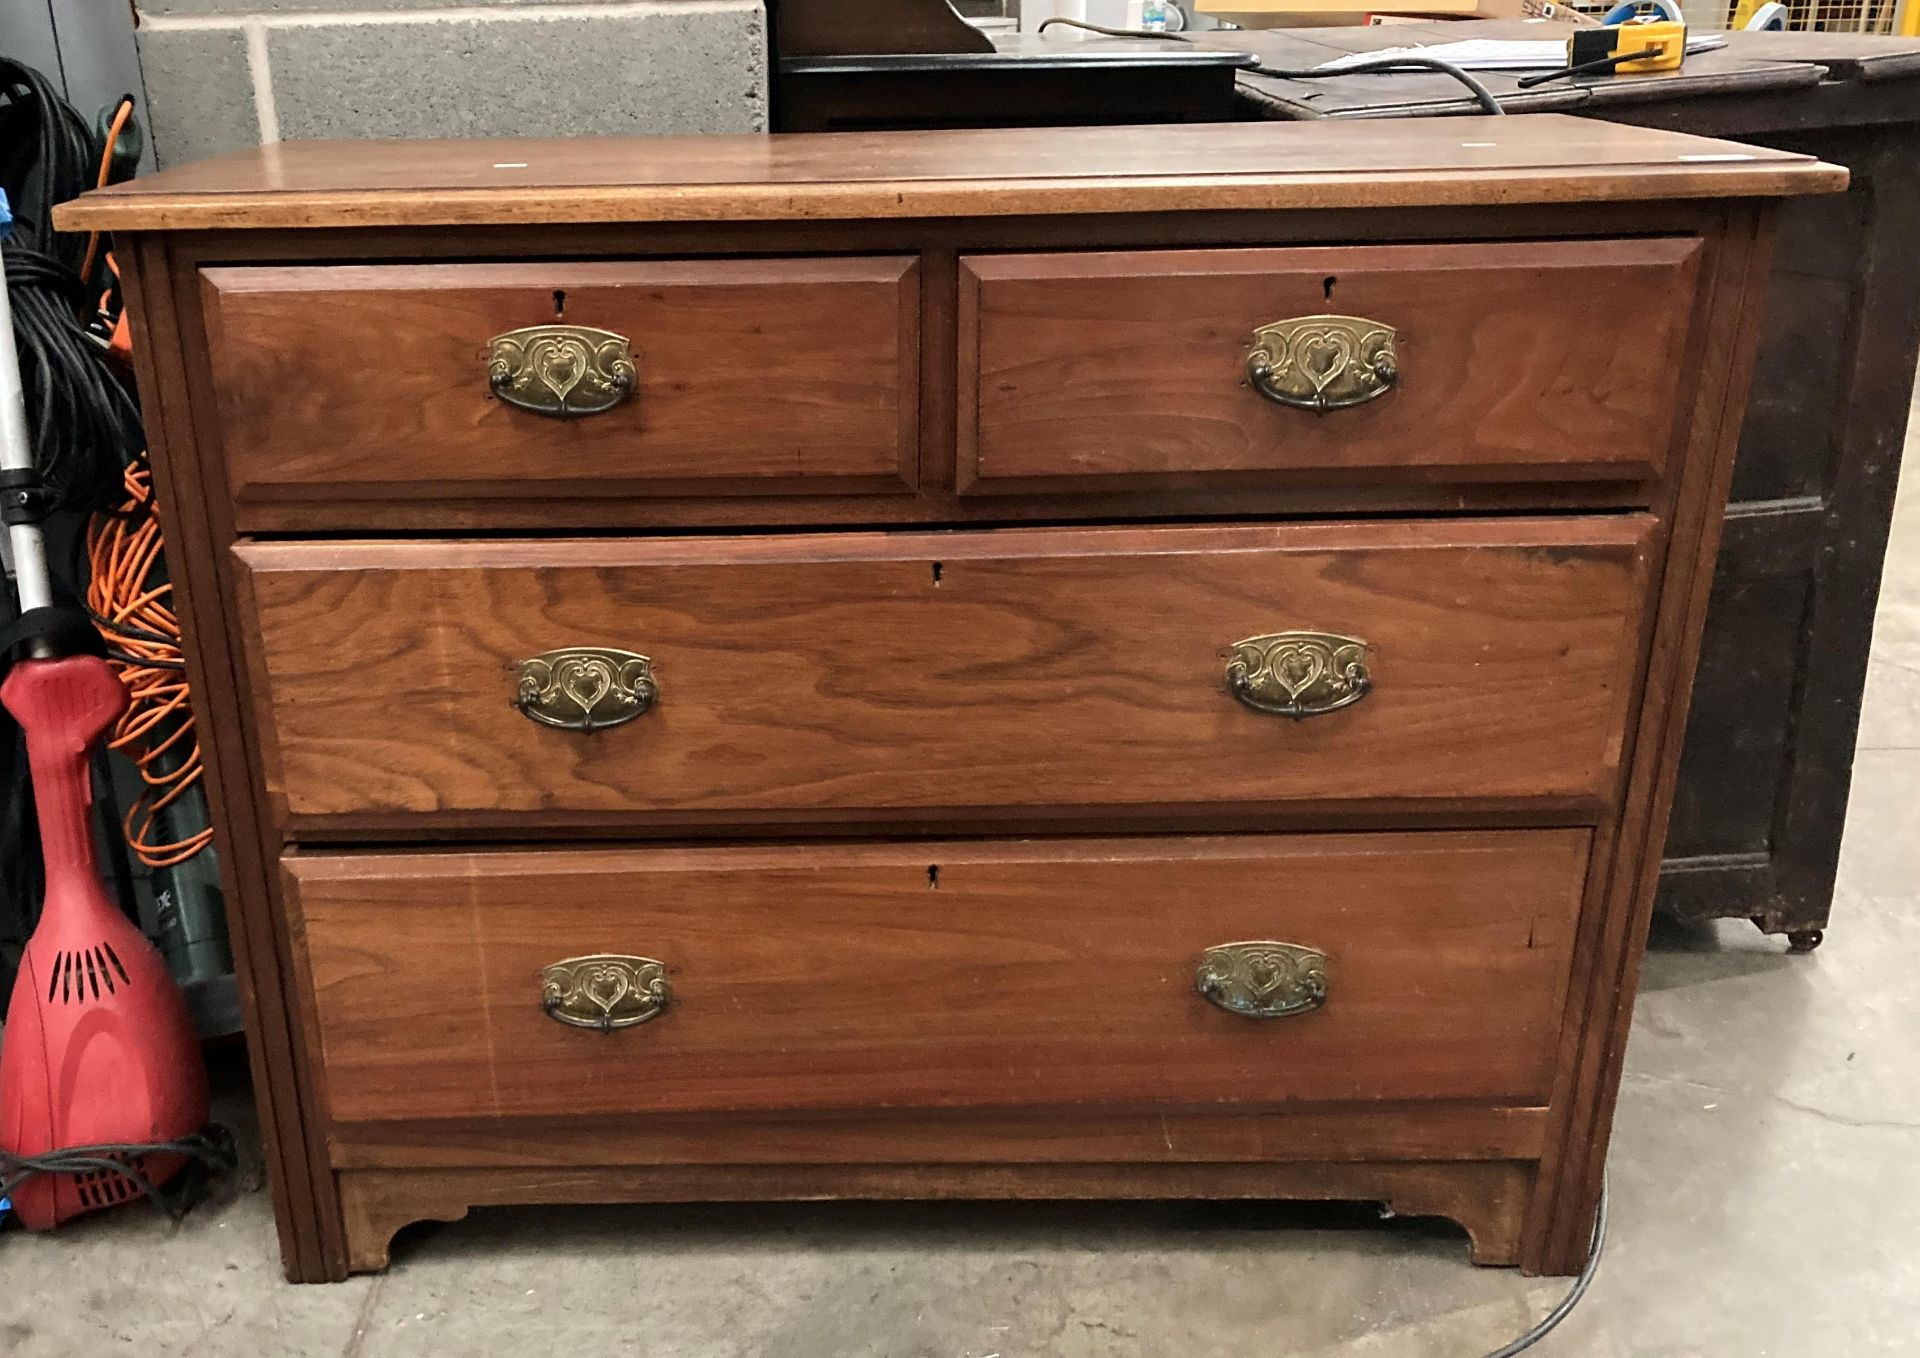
x=1299, y=674
x=1323, y=362
x=586, y=688
x=1262, y=979
x=604, y=991
x=561, y=370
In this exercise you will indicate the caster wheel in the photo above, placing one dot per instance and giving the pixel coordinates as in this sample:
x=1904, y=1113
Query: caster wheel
x=1804, y=940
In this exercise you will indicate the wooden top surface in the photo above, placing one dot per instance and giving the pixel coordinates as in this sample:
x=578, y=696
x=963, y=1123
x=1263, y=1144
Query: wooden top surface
x=996, y=172
x=1842, y=56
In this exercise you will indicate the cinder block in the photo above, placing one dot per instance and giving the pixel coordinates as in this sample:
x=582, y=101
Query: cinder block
x=199, y=92
x=670, y=67
x=249, y=8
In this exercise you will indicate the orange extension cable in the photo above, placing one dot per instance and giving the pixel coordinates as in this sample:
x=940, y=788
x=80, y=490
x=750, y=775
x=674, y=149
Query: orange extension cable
x=114, y=129
x=132, y=605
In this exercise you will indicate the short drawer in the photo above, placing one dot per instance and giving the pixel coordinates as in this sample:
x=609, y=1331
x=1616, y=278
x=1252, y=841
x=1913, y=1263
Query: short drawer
x=645, y=683
x=743, y=376
x=1038, y=974
x=1517, y=360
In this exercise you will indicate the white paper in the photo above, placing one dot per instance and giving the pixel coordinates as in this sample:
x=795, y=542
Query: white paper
x=1490, y=54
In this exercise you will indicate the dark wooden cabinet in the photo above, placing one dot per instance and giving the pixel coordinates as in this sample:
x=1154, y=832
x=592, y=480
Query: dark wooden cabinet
x=1768, y=763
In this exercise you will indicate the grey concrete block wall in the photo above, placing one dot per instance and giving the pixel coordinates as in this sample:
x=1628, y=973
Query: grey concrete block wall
x=248, y=7
x=200, y=99
x=224, y=74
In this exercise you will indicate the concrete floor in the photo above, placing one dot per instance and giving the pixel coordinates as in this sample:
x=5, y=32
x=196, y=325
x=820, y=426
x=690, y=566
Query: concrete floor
x=1765, y=1203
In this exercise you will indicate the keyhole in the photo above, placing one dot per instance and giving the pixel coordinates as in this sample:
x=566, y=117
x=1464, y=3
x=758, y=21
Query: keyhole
x=933, y=876
x=559, y=303
x=937, y=568
x=1326, y=287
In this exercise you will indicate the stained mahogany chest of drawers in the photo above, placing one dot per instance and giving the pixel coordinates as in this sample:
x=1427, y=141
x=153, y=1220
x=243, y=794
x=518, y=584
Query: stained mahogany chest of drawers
x=1107, y=662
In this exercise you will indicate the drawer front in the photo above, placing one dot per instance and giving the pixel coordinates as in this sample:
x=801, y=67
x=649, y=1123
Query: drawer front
x=747, y=377
x=938, y=975
x=1522, y=360
x=866, y=675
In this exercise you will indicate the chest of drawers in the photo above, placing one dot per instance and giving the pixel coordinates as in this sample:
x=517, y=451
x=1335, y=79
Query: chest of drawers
x=1093, y=662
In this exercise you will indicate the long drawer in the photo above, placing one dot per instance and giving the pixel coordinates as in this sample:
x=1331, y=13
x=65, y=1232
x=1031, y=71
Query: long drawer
x=501, y=381
x=437, y=685
x=940, y=975
x=1520, y=360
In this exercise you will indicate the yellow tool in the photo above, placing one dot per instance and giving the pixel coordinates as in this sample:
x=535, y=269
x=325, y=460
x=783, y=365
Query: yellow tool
x=1662, y=41
x=1629, y=48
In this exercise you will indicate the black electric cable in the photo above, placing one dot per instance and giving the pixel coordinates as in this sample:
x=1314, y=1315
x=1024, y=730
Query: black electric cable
x=205, y=1151
x=1597, y=66
x=1062, y=21
x=1596, y=1246
x=48, y=154
x=1483, y=97
x=83, y=421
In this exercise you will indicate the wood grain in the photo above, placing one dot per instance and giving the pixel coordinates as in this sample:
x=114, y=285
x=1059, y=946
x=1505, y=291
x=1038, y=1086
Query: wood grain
x=879, y=673
x=1487, y=1199
x=941, y=974
x=1521, y=360
x=754, y=376
x=996, y=172
x=1426, y=1129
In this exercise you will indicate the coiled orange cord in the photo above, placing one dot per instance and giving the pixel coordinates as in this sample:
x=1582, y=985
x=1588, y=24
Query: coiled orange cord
x=133, y=608
x=132, y=605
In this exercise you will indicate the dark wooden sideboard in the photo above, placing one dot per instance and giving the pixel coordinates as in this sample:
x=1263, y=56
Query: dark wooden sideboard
x=1762, y=800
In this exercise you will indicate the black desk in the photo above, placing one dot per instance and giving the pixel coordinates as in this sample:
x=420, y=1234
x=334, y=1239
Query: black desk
x=1025, y=81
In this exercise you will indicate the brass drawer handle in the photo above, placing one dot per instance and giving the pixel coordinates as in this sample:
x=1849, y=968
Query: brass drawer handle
x=605, y=991
x=586, y=688
x=1299, y=674
x=1263, y=979
x=1323, y=362
x=561, y=370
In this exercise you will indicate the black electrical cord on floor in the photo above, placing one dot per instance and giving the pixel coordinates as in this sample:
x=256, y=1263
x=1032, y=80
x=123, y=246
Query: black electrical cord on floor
x=1551, y=1320
x=205, y=1151
x=1483, y=97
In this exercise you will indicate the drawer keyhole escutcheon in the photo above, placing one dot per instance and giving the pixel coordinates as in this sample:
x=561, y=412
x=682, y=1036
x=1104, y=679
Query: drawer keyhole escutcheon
x=605, y=991
x=585, y=688
x=561, y=370
x=1323, y=363
x=1299, y=674
x=1263, y=979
